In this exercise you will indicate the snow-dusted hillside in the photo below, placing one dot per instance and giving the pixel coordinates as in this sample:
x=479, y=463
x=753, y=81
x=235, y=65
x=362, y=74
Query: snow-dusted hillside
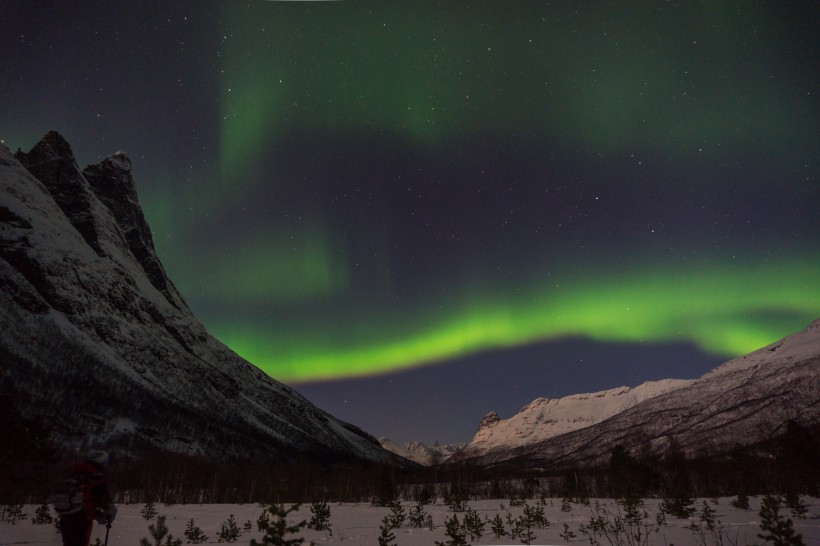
x=747, y=400
x=544, y=418
x=419, y=452
x=95, y=337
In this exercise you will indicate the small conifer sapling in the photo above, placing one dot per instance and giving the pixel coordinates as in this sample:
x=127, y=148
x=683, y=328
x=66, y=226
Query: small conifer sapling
x=193, y=534
x=320, y=517
x=159, y=531
x=456, y=536
x=149, y=511
x=229, y=531
x=386, y=535
x=276, y=528
x=42, y=516
x=774, y=528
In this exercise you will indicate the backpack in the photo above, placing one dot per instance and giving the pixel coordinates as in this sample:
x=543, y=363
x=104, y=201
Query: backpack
x=68, y=497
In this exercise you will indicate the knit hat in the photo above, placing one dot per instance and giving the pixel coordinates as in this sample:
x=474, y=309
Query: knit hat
x=99, y=457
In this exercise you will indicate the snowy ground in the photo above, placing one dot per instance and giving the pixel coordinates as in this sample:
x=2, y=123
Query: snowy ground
x=356, y=524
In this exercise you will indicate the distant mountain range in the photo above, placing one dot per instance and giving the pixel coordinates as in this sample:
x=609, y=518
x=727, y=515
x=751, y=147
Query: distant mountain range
x=743, y=402
x=96, y=338
x=421, y=453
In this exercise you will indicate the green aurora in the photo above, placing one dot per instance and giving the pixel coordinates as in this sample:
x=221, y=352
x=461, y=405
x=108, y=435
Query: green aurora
x=677, y=83
x=611, y=78
x=344, y=189
x=725, y=309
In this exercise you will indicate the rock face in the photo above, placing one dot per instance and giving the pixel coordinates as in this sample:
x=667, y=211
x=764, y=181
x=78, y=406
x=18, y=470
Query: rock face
x=743, y=402
x=489, y=420
x=113, y=184
x=96, y=338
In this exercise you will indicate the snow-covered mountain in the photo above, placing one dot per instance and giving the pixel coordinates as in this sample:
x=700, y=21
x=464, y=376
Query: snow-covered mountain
x=745, y=401
x=544, y=418
x=419, y=452
x=97, y=339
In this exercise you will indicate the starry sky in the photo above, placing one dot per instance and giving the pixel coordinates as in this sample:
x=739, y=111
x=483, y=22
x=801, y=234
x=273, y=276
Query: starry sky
x=418, y=212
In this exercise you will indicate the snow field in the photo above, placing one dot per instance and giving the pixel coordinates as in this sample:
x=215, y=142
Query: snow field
x=358, y=524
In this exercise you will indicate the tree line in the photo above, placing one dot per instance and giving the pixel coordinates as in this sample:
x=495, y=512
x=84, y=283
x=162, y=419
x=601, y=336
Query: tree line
x=31, y=465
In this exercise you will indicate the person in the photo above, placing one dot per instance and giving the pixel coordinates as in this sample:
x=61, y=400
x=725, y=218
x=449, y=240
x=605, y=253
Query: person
x=96, y=503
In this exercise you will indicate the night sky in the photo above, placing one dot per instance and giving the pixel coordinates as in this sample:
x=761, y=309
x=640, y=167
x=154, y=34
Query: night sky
x=418, y=212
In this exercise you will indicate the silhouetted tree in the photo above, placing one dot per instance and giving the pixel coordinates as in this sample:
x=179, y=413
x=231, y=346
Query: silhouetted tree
x=627, y=476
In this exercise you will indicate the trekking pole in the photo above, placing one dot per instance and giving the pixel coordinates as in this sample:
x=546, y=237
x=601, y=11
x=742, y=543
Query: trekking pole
x=107, y=528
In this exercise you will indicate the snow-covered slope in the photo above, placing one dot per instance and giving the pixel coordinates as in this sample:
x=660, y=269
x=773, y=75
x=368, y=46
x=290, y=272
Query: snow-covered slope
x=419, y=452
x=544, y=418
x=745, y=401
x=95, y=337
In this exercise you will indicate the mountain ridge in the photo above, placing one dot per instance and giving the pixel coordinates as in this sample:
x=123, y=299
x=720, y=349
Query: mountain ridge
x=743, y=402
x=545, y=418
x=97, y=339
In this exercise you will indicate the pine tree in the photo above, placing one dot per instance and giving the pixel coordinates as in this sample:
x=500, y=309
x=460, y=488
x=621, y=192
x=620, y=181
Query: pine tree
x=149, y=511
x=776, y=529
x=473, y=524
x=741, y=502
x=14, y=513
x=796, y=505
x=456, y=498
x=708, y=530
x=193, y=534
x=523, y=529
x=678, y=504
x=386, y=536
x=418, y=517
x=535, y=515
x=320, y=517
x=455, y=533
x=277, y=531
x=229, y=532
x=497, y=527
x=159, y=532
x=707, y=516
x=634, y=512
x=42, y=516
x=397, y=516
x=262, y=522
x=567, y=535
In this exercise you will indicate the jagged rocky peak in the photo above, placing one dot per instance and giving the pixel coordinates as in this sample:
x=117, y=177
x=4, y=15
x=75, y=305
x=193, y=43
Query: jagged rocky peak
x=112, y=177
x=114, y=185
x=53, y=147
x=489, y=420
x=106, y=359
x=101, y=203
x=52, y=162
